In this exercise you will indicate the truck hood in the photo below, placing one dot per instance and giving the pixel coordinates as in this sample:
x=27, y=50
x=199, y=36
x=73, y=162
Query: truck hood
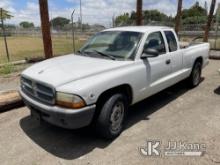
x=65, y=69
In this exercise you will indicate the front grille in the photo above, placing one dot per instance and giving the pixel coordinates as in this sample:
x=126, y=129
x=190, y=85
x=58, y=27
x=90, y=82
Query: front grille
x=41, y=92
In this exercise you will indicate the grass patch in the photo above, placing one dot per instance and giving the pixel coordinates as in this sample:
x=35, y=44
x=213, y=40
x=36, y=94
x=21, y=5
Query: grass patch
x=22, y=47
x=7, y=69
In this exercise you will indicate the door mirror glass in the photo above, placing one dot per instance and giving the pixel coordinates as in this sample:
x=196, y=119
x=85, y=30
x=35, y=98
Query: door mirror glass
x=149, y=53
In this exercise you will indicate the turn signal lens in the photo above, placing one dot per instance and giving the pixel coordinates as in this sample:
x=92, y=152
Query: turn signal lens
x=69, y=101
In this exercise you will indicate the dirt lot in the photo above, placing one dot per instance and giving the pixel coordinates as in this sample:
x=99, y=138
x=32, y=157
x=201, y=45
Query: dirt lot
x=175, y=114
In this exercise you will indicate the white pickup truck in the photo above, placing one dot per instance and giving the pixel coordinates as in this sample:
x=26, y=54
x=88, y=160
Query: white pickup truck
x=116, y=68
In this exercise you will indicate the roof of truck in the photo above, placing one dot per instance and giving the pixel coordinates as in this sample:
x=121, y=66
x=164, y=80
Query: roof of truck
x=142, y=29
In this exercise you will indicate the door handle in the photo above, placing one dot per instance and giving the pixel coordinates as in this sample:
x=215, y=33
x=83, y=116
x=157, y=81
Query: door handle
x=168, y=61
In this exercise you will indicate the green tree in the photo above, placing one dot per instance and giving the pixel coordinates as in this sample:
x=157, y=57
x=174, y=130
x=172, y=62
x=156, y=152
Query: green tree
x=154, y=15
x=123, y=19
x=194, y=11
x=26, y=24
x=59, y=22
x=5, y=14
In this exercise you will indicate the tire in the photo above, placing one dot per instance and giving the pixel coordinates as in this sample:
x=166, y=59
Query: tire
x=110, y=122
x=195, y=77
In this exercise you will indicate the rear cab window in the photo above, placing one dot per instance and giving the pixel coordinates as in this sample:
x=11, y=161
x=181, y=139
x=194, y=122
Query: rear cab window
x=171, y=41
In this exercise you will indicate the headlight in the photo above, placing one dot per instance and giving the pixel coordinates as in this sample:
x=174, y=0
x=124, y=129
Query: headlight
x=69, y=101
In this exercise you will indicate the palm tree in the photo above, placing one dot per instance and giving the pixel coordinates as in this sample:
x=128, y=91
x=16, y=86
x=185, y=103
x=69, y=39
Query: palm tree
x=4, y=14
x=178, y=16
x=209, y=22
x=139, y=12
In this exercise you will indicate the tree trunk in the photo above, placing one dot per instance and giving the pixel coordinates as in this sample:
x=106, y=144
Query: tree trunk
x=139, y=13
x=45, y=27
x=209, y=22
x=178, y=16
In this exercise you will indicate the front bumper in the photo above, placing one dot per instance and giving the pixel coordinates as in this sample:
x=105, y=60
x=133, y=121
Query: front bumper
x=62, y=117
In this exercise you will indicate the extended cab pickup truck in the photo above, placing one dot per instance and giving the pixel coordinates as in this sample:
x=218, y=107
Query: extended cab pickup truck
x=116, y=68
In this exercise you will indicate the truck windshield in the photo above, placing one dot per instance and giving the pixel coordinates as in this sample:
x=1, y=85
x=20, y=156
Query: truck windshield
x=113, y=45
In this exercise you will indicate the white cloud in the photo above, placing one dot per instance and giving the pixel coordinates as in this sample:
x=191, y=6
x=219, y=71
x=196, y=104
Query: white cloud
x=7, y=4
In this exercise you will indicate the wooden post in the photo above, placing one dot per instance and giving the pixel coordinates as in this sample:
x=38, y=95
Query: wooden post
x=45, y=27
x=178, y=16
x=4, y=35
x=139, y=13
x=209, y=22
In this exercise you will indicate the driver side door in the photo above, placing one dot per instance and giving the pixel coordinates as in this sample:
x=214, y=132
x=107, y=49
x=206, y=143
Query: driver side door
x=158, y=68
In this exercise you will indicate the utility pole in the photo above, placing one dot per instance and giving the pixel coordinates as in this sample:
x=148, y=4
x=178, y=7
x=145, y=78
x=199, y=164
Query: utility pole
x=178, y=16
x=45, y=27
x=113, y=21
x=139, y=13
x=209, y=22
x=81, y=20
x=4, y=35
x=73, y=32
x=217, y=23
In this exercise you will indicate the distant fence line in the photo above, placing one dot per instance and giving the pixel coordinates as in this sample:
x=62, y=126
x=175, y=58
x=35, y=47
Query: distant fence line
x=84, y=35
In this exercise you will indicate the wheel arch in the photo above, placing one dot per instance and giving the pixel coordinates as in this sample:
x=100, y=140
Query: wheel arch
x=126, y=89
x=198, y=59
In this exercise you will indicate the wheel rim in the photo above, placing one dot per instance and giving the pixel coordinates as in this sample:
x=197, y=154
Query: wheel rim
x=117, y=117
x=196, y=75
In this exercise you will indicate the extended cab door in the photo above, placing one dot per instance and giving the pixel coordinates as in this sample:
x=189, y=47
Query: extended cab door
x=157, y=68
x=176, y=56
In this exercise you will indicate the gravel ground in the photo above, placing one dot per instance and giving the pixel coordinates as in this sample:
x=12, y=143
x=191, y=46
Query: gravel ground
x=176, y=114
x=10, y=82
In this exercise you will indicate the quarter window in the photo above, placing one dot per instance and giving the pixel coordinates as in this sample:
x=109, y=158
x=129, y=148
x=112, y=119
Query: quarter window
x=171, y=39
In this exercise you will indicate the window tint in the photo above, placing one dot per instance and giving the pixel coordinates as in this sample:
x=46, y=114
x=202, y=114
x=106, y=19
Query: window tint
x=155, y=41
x=171, y=41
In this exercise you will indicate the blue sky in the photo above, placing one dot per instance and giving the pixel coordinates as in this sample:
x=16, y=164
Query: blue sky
x=94, y=11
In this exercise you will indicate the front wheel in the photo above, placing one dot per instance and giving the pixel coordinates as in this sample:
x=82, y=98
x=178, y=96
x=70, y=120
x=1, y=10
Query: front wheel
x=195, y=77
x=111, y=119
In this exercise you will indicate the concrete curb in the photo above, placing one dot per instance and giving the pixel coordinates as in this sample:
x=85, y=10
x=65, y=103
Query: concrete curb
x=215, y=55
x=10, y=100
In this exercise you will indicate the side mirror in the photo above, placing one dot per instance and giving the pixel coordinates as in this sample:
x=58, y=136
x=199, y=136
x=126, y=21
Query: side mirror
x=149, y=53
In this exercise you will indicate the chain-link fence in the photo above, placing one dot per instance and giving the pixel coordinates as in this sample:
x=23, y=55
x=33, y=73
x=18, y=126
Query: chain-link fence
x=28, y=43
x=24, y=44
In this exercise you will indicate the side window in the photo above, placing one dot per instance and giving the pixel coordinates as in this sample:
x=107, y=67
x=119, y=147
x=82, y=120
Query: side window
x=155, y=41
x=171, y=41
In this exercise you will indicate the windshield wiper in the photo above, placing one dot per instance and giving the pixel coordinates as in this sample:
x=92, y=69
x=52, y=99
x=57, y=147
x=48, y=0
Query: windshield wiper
x=105, y=55
x=82, y=53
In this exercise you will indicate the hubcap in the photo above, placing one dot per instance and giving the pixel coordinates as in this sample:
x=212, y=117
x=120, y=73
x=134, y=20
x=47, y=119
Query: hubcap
x=117, y=116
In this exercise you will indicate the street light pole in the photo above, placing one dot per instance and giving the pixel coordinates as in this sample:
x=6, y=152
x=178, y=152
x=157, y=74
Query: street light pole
x=73, y=31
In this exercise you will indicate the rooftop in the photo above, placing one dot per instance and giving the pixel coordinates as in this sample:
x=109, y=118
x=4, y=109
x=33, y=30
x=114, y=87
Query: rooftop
x=138, y=28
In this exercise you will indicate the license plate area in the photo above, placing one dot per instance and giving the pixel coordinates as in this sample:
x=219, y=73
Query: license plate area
x=35, y=115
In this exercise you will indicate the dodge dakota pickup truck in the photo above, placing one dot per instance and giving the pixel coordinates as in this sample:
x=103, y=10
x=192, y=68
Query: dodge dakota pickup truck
x=116, y=68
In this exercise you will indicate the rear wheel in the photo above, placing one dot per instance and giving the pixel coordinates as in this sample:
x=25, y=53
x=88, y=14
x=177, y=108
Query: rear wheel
x=110, y=121
x=195, y=77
